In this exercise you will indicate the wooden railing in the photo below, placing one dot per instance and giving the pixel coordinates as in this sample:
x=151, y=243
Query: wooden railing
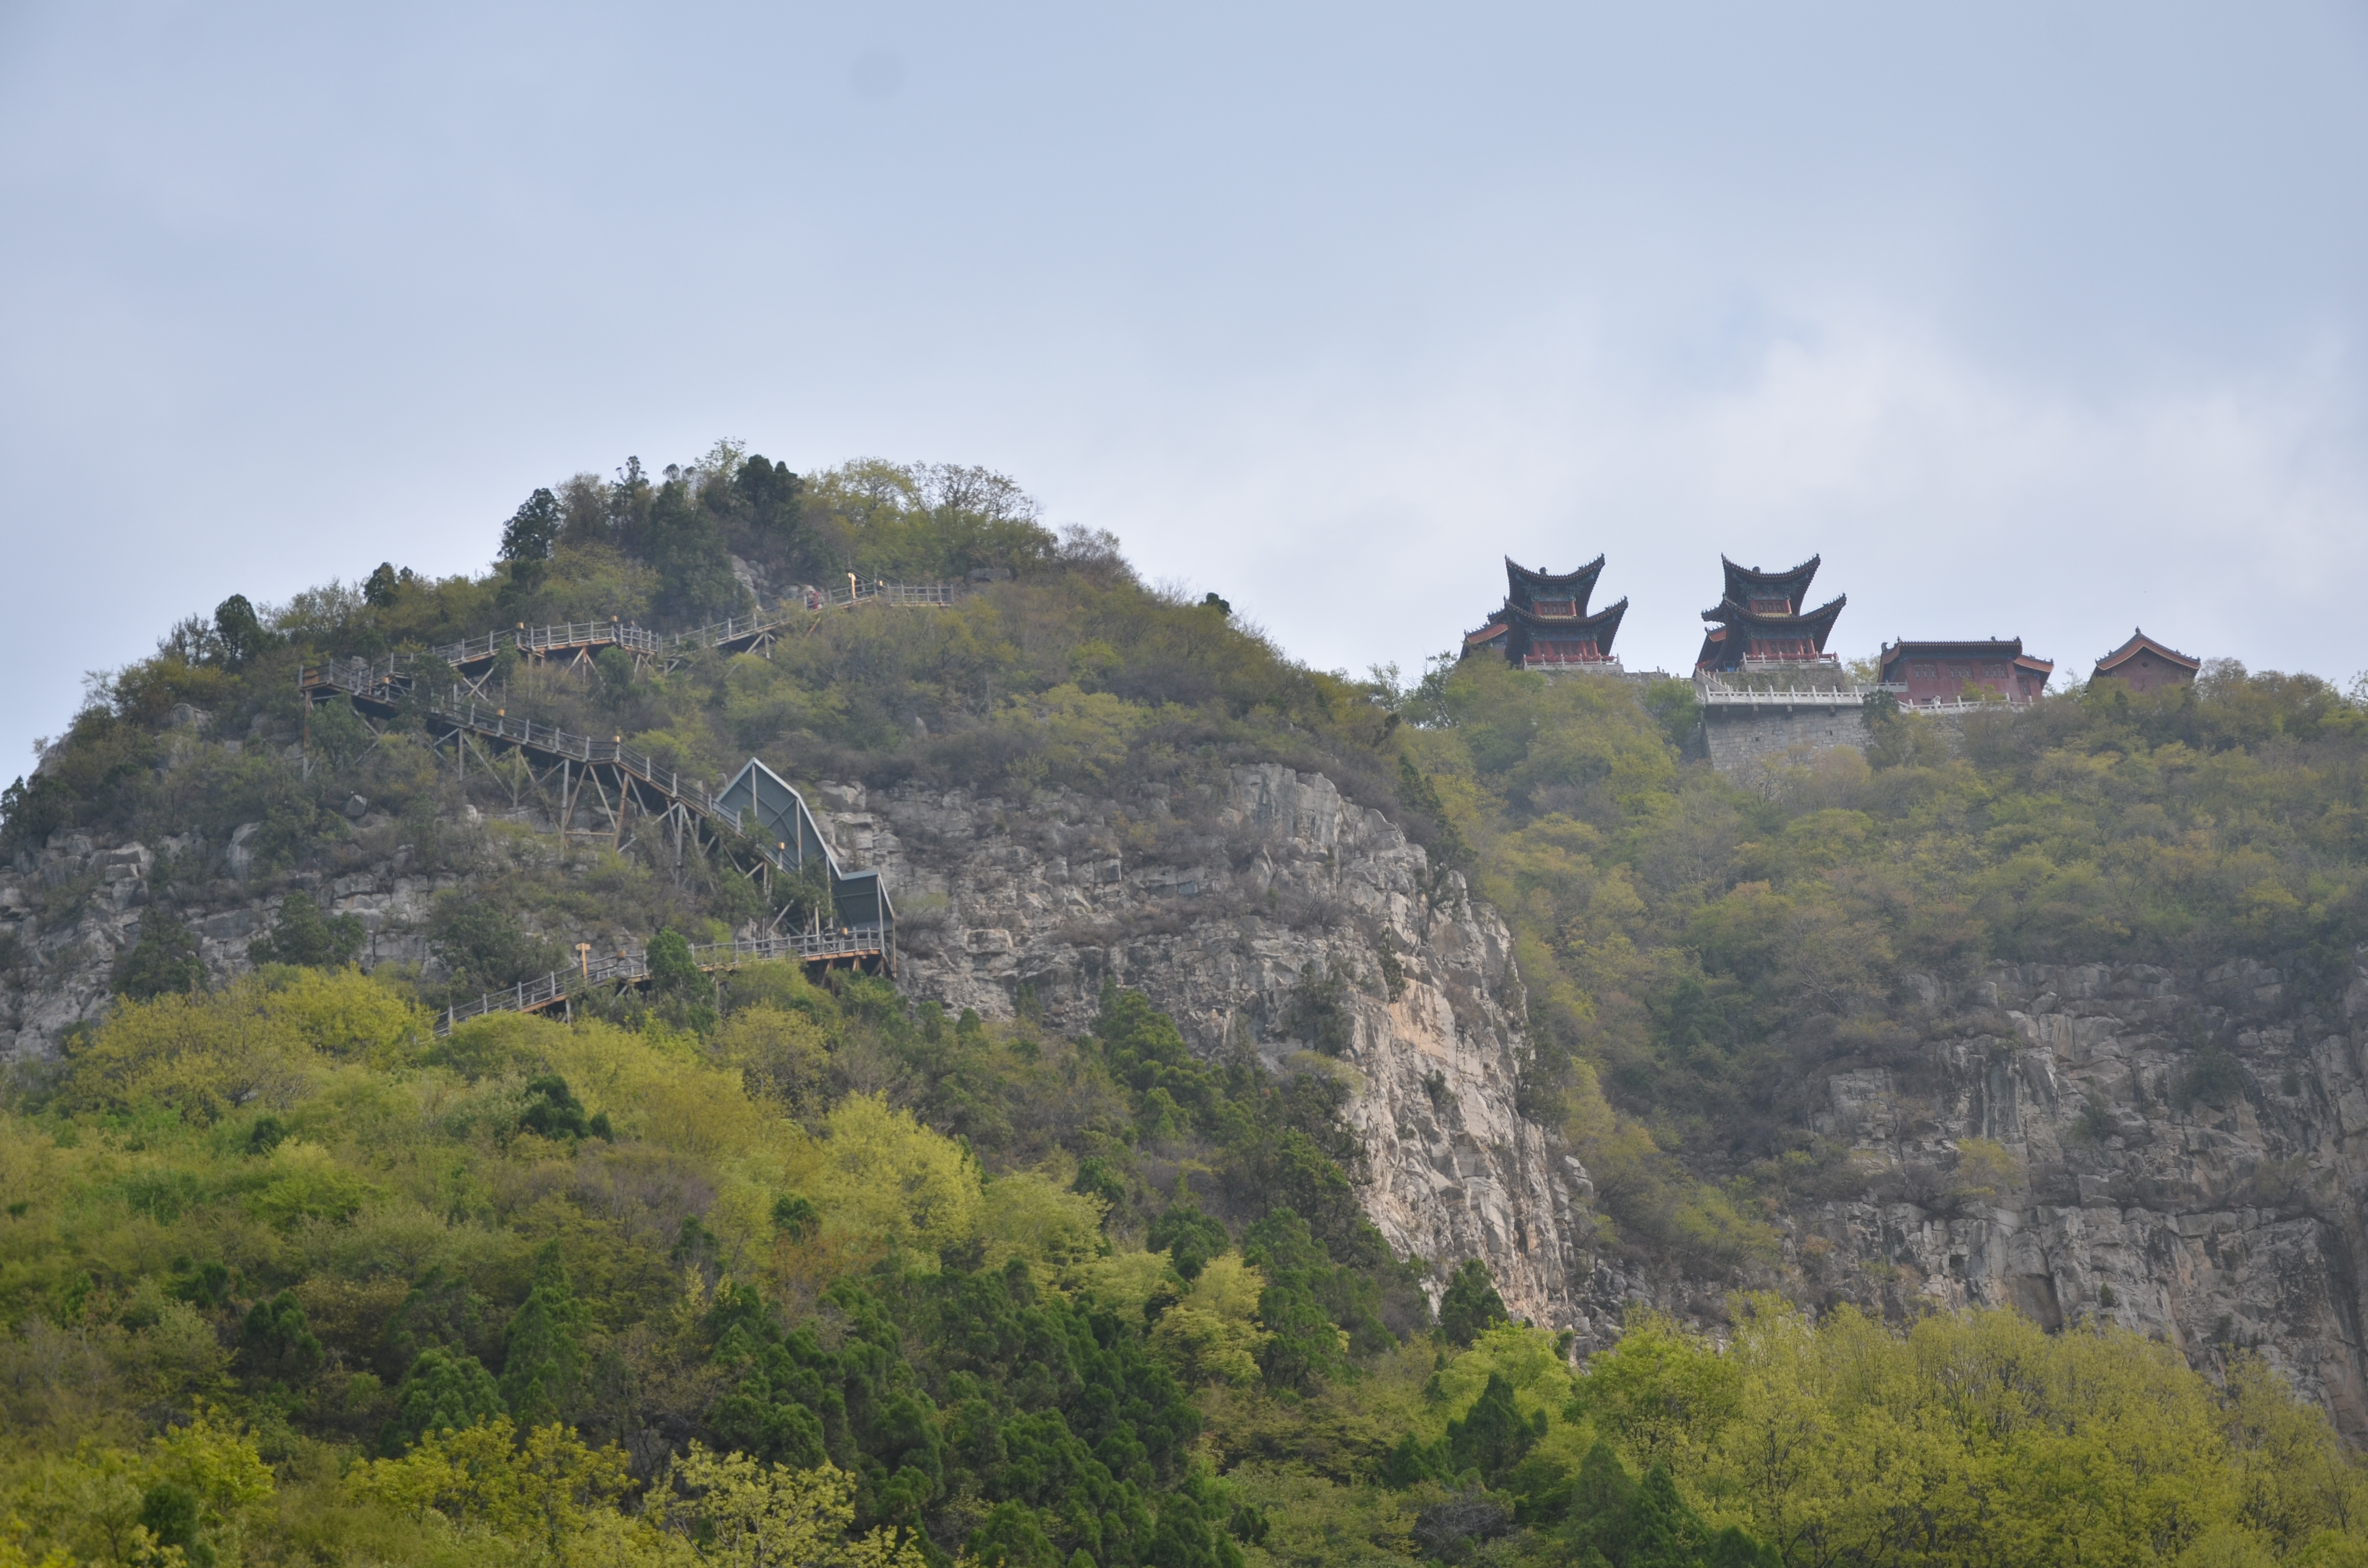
x=394, y=671
x=632, y=967
x=472, y=716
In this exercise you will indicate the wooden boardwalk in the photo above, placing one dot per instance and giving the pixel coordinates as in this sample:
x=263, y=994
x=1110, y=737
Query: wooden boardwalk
x=621, y=970
x=606, y=792
x=386, y=680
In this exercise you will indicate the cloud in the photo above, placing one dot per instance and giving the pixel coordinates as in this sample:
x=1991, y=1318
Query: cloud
x=1361, y=518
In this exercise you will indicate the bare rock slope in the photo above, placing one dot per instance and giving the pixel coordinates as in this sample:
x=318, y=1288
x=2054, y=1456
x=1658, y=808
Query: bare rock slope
x=2185, y=1158
x=1227, y=913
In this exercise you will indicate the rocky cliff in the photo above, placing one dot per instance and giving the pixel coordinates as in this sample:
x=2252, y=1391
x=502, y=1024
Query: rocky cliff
x=1260, y=915
x=1225, y=906
x=2185, y=1156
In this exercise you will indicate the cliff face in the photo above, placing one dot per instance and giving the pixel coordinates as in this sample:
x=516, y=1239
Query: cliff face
x=1222, y=908
x=2186, y=1156
x=1234, y=913
x=2183, y=1156
x=57, y=966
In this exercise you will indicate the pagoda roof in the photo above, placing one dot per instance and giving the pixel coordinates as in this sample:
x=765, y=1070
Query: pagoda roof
x=1818, y=624
x=2140, y=643
x=1486, y=634
x=1522, y=585
x=1602, y=626
x=1745, y=584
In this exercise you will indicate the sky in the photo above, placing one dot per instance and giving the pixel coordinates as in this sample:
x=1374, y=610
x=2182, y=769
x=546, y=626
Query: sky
x=2036, y=319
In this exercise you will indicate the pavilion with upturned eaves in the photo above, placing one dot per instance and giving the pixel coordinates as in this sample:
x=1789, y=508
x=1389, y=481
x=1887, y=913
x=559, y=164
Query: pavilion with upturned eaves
x=1760, y=621
x=1544, y=624
x=2144, y=664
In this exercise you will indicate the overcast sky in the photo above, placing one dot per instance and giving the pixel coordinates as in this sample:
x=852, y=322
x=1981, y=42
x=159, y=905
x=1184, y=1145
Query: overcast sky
x=2034, y=319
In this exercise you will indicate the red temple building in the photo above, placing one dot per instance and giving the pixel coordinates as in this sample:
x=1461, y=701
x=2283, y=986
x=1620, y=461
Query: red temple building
x=1939, y=672
x=1544, y=624
x=1760, y=621
x=2144, y=664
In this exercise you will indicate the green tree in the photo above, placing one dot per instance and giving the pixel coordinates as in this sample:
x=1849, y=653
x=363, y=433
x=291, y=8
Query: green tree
x=276, y=1345
x=170, y=1512
x=673, y=973
x=1491, y=1437
x=553, y=1111
x=532, y=531
x=301, y=934
x=1470, y=1307
x=1189, y=1236
x=444, y=1390
x=686, y=546
x=485, y=949
x=239, y=631
x=164, y=961
x=543, y=1363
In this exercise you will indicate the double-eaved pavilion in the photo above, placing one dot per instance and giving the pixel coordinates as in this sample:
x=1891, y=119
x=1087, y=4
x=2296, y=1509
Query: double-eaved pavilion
x=1544, y=624
x=1760, y=621
x=2144, y=664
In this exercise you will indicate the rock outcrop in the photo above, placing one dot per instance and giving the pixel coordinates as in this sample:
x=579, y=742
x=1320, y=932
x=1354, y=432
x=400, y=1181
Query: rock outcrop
x=2187, y=1158
x=1260, y=918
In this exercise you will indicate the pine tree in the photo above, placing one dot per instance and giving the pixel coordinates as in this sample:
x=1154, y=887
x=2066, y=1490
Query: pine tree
x=544, y=1358
x=163, y=962
x=1471, y=1306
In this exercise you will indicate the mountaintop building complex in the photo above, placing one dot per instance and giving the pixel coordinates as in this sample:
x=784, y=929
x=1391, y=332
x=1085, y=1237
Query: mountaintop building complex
x=1544, y=624
x=1927, y=674
x=2144, y=664
x=1759, y=619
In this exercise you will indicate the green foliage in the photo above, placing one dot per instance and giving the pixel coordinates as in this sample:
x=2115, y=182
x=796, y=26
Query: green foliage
x=673, y=972
x=532, y=532
x=1190, y=1237
x=1492, y=1436
x=2211, y=1076
x=444, y=1390
x=542, y=1361
x=301, y=934
x=1318, y=1014
x=1470, y=1306
x=484, y=948
x=163, y=962
x=239, y=632
x=552, y=1110
x=896, y=1262
x=1693, y=951
x=275, y=1343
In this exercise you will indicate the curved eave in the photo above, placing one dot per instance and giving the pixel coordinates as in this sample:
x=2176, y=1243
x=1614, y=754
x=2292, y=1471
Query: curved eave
x=1818, y=624
x=1523, y=586
x=1742, y=580
x=1602, y=626
x=2142, y=643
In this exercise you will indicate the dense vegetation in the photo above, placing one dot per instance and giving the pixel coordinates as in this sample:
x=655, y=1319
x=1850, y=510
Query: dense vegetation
x=1692, y=949
x=292, y=1279
x=784, y=1273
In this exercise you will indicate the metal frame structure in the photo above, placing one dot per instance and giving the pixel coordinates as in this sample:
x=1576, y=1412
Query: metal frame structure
x=607, y=793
